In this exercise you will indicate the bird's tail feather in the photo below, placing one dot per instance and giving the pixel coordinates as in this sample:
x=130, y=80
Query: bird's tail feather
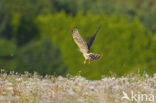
x=94, y=56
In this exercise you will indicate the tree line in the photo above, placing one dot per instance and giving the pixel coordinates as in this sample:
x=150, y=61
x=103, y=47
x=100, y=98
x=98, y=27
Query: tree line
x=35, y=35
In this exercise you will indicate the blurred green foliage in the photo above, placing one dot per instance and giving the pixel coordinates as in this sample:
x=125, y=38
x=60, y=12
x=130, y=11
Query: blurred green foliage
x=7, y=53
x=42, y=57
x=125, y=46
x=127, y=38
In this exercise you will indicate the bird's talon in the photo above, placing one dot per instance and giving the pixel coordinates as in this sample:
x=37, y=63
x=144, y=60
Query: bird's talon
x=89, y=61
x=84, y=62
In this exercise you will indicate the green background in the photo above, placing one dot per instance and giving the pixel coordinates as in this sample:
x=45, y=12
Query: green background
x=36, y=35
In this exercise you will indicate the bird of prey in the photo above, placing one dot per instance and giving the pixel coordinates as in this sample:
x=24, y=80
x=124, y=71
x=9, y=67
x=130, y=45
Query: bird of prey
x=85, y=47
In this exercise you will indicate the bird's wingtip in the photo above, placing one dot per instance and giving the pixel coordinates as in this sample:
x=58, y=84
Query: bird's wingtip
x=99, y=26
x=75, y=28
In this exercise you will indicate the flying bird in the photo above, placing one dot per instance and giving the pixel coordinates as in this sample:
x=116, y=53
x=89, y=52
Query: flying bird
x=85, y=47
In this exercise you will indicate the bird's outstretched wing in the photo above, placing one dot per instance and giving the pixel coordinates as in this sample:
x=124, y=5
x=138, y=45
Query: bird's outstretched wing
x=79, y=41
x=92, y=38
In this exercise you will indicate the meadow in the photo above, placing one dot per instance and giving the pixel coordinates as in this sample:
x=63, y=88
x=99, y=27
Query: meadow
x=33, y=88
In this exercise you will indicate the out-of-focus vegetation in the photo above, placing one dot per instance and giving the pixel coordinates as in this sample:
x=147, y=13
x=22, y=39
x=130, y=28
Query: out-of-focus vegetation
x=42, y=57
x=125, y=46
x=28, y=88
x=127, y=39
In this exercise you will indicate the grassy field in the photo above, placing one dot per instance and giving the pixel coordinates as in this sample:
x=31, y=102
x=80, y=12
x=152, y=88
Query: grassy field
x=33, y=88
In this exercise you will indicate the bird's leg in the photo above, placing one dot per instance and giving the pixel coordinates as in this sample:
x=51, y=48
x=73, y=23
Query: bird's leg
x=89, y=61
x=84, y=61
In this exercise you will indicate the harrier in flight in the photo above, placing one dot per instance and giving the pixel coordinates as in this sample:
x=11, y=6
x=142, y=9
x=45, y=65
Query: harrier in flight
x=85, y=47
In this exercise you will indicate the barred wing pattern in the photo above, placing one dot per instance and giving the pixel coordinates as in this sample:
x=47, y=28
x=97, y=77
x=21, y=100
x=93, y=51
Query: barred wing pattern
x=79, y=41
x=92, y=38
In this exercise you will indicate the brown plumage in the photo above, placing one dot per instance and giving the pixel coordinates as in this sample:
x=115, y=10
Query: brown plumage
x=85, y=47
